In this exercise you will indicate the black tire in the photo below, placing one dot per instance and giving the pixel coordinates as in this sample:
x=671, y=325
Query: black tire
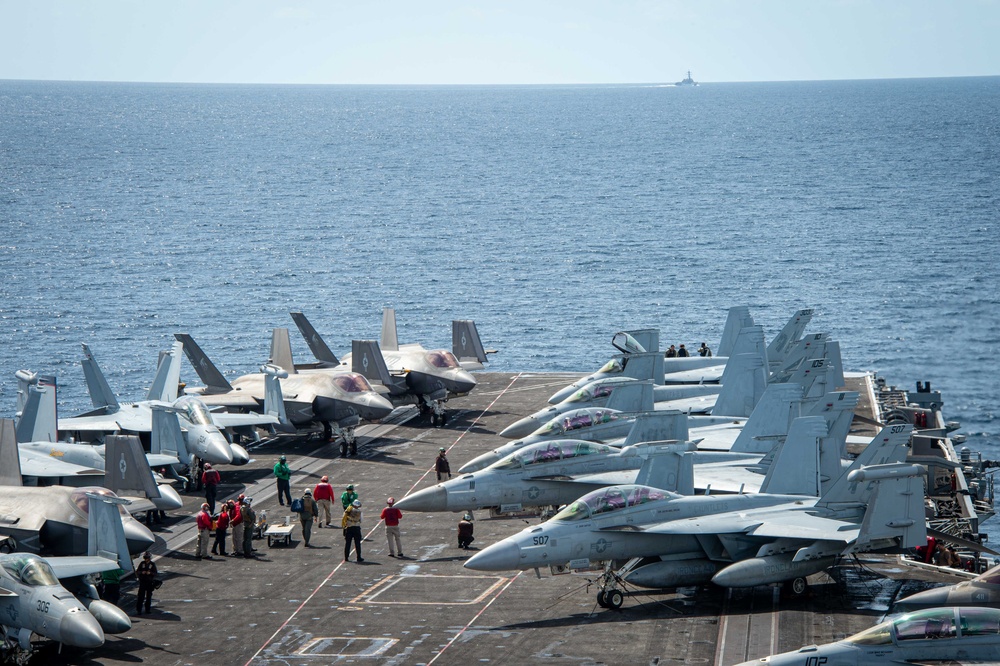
x=614, y=599
x=600, y=600
x=7, y=546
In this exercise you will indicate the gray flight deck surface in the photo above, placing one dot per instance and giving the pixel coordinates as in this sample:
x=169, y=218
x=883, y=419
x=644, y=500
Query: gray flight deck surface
x=306, y=606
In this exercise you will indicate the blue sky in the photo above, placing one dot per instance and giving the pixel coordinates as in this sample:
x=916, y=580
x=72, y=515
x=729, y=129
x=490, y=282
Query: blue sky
x=497, y=42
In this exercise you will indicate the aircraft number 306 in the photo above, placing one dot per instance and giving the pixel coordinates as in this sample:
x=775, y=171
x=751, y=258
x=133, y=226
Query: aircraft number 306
x=43, y=606
x=539, y=540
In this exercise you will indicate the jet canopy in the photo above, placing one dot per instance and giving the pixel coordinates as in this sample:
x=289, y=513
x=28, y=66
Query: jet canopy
x=194, y=410
x=440, y=358
x=82, y=503
x=30, y=569
x=930, y=624
x=591, y=392
x=606, y=500
x=577, y=419
x=352, y=383
x=613, y=366
x=547, y=452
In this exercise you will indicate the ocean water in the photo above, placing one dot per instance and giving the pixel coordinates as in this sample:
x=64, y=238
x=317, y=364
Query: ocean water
x=553, y=216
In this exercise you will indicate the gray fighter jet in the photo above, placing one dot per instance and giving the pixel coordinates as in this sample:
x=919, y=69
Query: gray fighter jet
x=739, y=540
x=410, y=373
x=52, y=596
x=333, y=397
x=983, y=590
x=946, y=636
x=53, y=519
x=203, y=429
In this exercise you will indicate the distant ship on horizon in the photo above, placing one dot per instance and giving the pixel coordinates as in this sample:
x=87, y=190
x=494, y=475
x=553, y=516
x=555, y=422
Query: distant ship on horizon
x=687, y=81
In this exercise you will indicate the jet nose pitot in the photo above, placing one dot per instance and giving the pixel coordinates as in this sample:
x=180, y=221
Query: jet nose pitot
x=503, y=556
x=428, y=499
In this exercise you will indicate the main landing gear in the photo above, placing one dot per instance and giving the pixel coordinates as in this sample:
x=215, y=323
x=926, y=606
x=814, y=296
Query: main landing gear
x=435, y=408
x=348, y=440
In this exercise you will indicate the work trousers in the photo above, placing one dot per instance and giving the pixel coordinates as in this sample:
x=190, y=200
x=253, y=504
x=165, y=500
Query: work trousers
x=203, y=537
x=352, y=534
x=392, y=534
x=327, y=508
x=238, y=539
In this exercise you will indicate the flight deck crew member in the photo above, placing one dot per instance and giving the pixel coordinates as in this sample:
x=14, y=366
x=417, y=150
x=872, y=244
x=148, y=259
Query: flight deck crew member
x=112, y=581
x=442, y=465
x=465, y=530
x=283, y=474
x=145, y=573
x=210, y=478
x=236, y=521
x=204, y=521
x=391, y=515
x=352, y=530
x=671, y=353
x=221, y=530
x=310, y=510
x=249, y=522
x=323, y=494
x=704, y=350
x=682, y=352
x=348, y=496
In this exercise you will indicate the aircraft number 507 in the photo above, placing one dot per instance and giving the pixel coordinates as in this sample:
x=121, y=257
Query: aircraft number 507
x=897, y=429
x=539, y=540
x=43, y=606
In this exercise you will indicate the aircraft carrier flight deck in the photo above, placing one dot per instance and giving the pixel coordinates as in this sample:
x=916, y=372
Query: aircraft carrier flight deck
x=296, y=605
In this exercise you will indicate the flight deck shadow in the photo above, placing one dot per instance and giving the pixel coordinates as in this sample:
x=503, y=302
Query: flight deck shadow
x=119, y=649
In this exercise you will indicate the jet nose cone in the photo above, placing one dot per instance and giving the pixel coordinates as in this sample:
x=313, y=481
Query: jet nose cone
x=240, y=455
x=376, y=407
x=168, y=500
x=522, y=428
x=479, y=463
x=502, y=556
x=138, y=537
x=925, y=599
x=428, y=499
x=210, y=445
x=81, y=629
x=462, y=382
x=562, y=394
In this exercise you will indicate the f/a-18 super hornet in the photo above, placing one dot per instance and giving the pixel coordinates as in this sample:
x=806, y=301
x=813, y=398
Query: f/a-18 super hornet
x=202, y=429
x=331, y=396
x=53, y=519
x=948, y=636
x=46, y=461
x=410, y=373
x=52, y=597
x=735, y=540
x=983, y=590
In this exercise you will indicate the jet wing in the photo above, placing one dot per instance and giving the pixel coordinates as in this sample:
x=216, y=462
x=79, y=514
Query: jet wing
x=233, y=400
x=723, y=523
x=98, y=423
x=80, y=565
x=49, y=467
x=801, y=525
x=159, y=460
x=228, y=420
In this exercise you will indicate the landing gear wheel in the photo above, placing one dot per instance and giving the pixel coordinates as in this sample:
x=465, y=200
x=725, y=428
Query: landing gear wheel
x=797, y=586
x=614, y=599
x=438, y=420
x=600, y=600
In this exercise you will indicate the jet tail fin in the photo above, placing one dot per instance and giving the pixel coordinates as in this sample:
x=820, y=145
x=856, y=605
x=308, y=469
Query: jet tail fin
x=646, y=365
x=632, y=397
x=887, y=447
x=770, y=419
x=168, y=375
x=38, y=419
x=367, y=360
x=668, y=467
x=466, y=344
x=317, y=345
x=281, y=350
x=789, y=335
x=795, y=467
x=105, y=533
x=836, y=376
x=167, y=437
x=274, y=399
x=10, y=456
x=207, y=372
x=658, y=427
x=738, y=318
x=896, y=507
x=100, y=391
x=389, y=341
x=126, y=469
x=637, y=341
x=743, y=384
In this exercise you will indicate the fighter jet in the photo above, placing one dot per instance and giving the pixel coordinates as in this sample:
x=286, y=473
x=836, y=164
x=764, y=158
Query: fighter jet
x=53, y=519
x=49, y=461
x=52, y=596
x=203, y=430
x=335, y=398
x=983, y=590
x=952, y=636
x=737, y=540
x=410, y=373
